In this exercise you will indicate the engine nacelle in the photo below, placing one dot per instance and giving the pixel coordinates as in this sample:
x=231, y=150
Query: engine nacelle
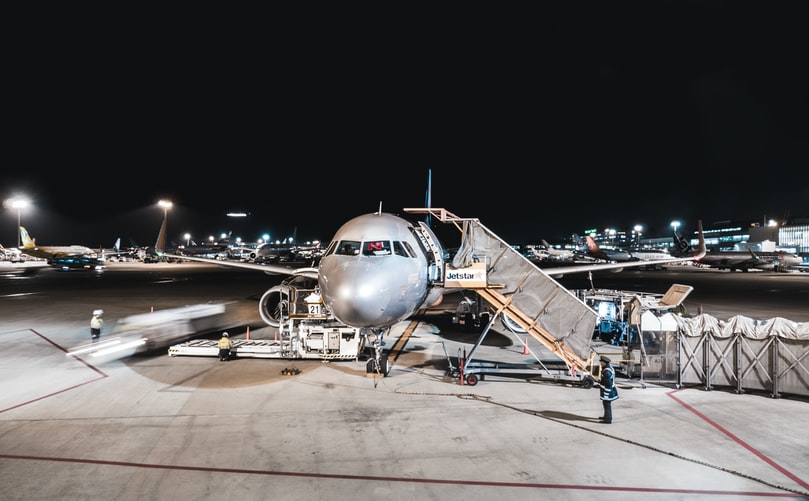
x=274, y=305
x=279, y=301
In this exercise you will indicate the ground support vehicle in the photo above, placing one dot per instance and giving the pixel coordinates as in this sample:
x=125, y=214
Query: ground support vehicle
x=298, y=340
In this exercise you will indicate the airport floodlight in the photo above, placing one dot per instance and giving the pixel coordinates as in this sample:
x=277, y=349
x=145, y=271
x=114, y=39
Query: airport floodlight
x=237, y=214
x=211, y=238
x=19, y=204
x=187, y=237
x=166, y=205
x=675, y=225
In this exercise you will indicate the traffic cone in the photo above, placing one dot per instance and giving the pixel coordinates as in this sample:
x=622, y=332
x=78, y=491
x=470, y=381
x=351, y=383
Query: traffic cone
x=248, y=333
x=525, y=346
x=151, y=310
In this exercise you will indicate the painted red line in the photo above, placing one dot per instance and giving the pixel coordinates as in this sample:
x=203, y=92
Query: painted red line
x=101, y=374
x=92, y=367
x=739, y=441
x=400, y=479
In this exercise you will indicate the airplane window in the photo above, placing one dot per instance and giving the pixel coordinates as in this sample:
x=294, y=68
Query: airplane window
x=349, y=248
x=409, y=249
x=331, y=249
x=376, y=248
x=399, y=250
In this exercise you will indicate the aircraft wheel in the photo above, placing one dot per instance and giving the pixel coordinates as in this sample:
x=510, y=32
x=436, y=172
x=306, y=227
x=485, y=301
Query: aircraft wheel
x=371, y=366
x=587, y=383
x=471, y=379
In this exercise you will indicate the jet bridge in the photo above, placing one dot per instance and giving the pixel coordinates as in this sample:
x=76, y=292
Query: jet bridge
x=513, y=286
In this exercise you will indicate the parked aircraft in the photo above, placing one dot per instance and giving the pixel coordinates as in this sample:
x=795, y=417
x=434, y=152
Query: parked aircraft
x=64, y=257
x=12, y=255
x=739, y=260
x=115, y=253
x=558, y=254
x=215, y=249
x=379, y=269
x=612, y=255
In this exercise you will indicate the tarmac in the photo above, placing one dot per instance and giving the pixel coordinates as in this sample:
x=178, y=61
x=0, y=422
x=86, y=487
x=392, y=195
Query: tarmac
x=158, y=427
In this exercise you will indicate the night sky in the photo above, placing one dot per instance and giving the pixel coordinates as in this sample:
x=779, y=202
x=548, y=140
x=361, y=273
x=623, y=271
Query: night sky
x=541, y=119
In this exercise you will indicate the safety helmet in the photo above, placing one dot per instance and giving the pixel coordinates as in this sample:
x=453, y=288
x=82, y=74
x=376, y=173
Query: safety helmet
x=98, y=313
x=224, y=334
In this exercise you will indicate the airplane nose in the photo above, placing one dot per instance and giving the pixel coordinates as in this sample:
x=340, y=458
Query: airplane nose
x=360, y=297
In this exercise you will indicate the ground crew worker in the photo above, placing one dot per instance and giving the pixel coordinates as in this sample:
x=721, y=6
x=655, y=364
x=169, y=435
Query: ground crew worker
x=224, y=346
x=95, y=325
x=608, y=391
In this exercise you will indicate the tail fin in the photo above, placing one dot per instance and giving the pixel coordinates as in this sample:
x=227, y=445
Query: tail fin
x=27, y=241
x=592, y=246
x=594, y=250
x=685, y=249
x=160, y=243
x=682, y=245
x=701, y=249
x=117, y=244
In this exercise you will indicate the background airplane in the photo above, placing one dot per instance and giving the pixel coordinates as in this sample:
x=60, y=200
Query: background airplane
x=558, y=254
x=606, y=254
x=739, y=260
x=64, y=257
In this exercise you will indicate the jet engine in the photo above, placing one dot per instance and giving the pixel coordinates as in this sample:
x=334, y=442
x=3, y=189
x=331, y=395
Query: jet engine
x=280, y=300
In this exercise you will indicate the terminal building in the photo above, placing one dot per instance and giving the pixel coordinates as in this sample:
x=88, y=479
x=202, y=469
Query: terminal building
x=792, y=237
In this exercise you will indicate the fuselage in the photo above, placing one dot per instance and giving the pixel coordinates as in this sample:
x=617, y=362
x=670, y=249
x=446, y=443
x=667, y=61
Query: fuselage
x=746, y=260
x=375, y=272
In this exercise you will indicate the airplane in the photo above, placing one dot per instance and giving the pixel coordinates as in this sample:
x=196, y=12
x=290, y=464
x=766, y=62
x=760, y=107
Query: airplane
x=558, y=254
x=218, y=248
x=652, y=256
x=115, y=253
x=378, y=270
x=63, y=257
x=12, y=255
x=738, y=260
x=610, y=255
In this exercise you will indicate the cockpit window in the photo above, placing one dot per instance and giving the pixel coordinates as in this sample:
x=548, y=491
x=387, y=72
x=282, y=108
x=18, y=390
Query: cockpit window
x=376, y=248
x=348, y=248
x=410, y=249
x=399, y=250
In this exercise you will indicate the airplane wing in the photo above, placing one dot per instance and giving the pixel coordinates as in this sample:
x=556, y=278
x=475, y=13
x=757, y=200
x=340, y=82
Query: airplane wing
x=559, y=271
x=270, y=269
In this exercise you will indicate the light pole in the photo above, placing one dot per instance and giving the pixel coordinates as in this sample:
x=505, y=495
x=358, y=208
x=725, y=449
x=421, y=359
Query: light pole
x=166, y=205
x=187, y=239
x=638, y=230
x=19, y=204
x=675, y=225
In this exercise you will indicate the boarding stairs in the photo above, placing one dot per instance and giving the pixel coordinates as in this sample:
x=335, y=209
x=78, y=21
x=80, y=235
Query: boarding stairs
x=514, y=286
